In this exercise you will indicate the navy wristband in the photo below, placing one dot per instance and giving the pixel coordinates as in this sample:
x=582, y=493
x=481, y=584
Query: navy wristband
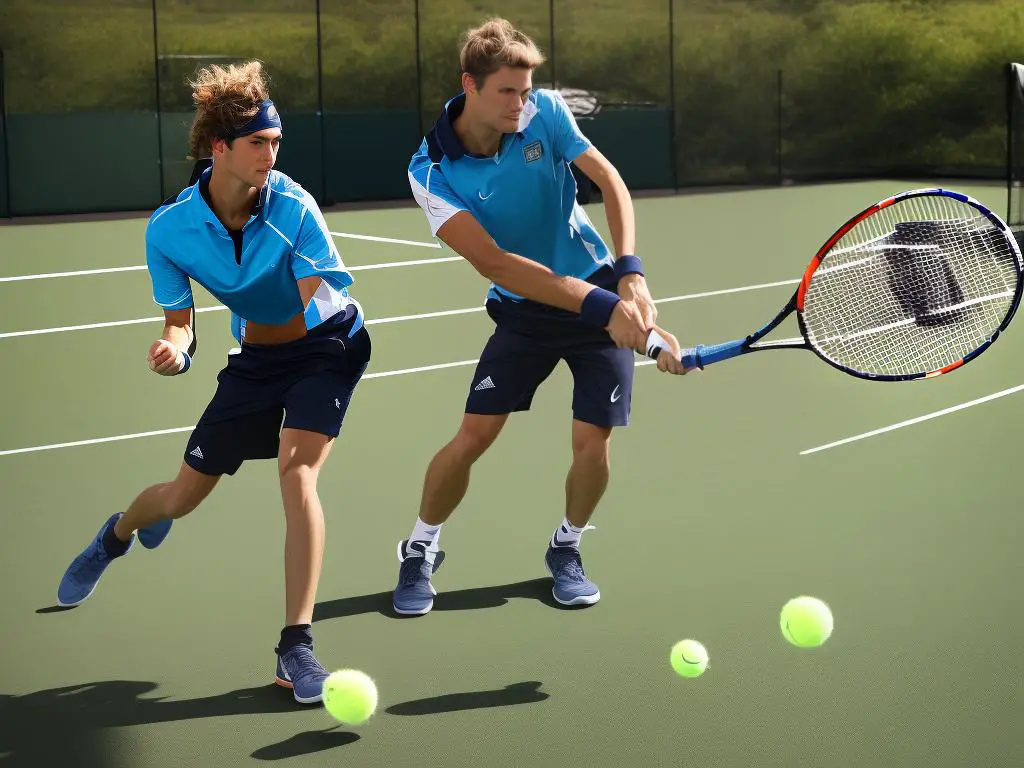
x=628, y=265
x=598, y=306
x=188, y=362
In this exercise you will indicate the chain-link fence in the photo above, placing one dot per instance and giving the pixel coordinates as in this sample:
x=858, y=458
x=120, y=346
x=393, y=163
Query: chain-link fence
x=677, y=94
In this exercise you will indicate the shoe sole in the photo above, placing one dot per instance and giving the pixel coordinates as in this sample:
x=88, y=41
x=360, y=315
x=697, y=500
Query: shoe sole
x=62, y=604
x=578, y=600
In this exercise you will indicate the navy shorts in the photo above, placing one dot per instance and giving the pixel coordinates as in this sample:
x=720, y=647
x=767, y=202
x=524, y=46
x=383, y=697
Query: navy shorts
x=302, y=384
x=528, y=342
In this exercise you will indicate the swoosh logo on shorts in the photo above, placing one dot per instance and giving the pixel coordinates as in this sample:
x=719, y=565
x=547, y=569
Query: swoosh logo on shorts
x=615, y=394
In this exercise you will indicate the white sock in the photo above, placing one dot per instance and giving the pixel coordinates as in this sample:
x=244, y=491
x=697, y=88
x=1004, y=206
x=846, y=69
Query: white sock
x=568, y=535
x=426, y=535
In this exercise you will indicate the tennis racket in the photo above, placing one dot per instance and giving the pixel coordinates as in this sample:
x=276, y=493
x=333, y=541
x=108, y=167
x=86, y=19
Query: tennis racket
x=915, y=286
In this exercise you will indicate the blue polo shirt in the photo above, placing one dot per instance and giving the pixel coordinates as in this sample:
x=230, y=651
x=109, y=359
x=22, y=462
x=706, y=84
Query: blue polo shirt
x=524, y=196
x=284, y=240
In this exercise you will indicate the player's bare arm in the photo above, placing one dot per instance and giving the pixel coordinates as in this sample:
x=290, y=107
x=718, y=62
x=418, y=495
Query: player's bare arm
x=167, y=355
x=618, y=208
x=464, y=235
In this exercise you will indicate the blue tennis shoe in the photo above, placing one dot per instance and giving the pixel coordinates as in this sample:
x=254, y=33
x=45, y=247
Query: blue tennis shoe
x=82, y=576
x=298, y=669
x=152, y=536
x=414, y=594
x=571, y=587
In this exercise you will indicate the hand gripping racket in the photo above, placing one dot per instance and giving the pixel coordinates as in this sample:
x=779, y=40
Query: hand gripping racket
x=915, y=286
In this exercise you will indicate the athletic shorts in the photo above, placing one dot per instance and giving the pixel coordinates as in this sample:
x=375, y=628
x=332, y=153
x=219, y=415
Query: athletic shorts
x=302, y=384
x=530, y=339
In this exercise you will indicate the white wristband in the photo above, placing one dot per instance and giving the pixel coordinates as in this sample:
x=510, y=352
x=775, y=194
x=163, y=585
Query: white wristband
x=654, y=341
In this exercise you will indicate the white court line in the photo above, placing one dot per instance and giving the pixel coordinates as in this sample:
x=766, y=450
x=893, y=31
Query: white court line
x=412, y=263
x=725, y=291
x=219, y=308
x=94, y=441
x=90, y=326
x=139, y=267
x=375, y=239
x=154, y=433
x=427, y=315
x=421, y=369
x=45, y=275
x=918, y=420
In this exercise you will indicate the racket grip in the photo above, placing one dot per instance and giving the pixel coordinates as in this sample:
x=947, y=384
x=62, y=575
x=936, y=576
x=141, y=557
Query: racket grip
x=656, y=343
x=691, y=359
x=699, y=356
x=716, y=353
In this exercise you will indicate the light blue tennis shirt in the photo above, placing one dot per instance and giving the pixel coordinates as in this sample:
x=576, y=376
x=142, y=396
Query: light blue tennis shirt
x=284, y=240
x=524, y=196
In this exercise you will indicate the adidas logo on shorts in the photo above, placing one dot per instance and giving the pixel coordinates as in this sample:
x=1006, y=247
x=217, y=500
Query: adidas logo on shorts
x=485, y=384
x=196, y=452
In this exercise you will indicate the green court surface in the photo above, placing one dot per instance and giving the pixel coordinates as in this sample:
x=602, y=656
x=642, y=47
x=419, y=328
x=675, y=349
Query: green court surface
x=712, y=521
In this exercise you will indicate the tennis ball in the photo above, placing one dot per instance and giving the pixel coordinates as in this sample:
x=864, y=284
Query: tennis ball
x=806, y=622
x=688, y=658
x=350, y=696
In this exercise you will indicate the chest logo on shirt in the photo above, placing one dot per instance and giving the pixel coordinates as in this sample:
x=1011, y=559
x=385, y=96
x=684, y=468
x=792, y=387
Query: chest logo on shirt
x=534, y=151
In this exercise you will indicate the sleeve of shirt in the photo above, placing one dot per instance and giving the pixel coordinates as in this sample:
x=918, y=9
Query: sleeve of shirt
x=314, y=253
x=433, y=193
x=568, y=140
x=171, y=286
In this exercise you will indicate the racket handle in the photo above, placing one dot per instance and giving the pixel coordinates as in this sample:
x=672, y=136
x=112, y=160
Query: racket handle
x=699, y=356
x=656, y=343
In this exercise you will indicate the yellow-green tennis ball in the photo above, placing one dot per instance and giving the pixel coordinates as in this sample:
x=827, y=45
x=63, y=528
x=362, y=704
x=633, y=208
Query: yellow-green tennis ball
x=689, y=658
x=350, y=696
x=806, y=622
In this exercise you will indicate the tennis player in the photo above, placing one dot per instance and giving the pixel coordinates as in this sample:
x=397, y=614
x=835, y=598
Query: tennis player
x=494, y=181
x=258, y=242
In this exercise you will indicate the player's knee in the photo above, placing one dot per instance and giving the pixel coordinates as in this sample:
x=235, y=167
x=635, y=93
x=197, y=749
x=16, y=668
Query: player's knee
x=593, y=455
x=475, y=437
x=592, y=446
x=298, y=476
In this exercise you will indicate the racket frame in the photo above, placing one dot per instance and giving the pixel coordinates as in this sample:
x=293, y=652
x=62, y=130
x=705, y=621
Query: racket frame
x=701, y=355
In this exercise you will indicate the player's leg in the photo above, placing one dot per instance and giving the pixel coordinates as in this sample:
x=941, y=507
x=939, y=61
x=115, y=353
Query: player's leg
x=587, y=479
x=315, y=408
x=236, y=425
x=602, y=393
x=302, y=455
x=511, y=368
x=116, y=536
x=241, y=422
x=447, y=478
x=152, y=511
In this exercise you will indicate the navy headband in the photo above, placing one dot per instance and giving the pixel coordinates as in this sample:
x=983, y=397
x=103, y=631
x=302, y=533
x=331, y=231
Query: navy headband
x=267, y=117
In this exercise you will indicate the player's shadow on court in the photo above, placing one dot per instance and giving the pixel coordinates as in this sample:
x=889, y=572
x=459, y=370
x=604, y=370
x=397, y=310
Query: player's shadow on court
x=471, y=599
x=73, y=725
x=510, y=695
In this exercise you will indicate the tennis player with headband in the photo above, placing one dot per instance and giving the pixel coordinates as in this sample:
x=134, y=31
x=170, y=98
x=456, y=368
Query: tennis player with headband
x=494, y=181
x=258, y=242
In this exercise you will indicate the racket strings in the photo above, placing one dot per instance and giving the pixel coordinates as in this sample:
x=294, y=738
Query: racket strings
x=913, y=288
